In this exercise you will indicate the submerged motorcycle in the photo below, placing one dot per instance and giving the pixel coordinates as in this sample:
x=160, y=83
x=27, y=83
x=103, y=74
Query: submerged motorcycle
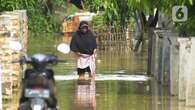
x=38, y=83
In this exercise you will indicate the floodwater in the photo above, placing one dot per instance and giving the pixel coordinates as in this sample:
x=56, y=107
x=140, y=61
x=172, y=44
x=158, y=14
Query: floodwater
x=116, y=60
x=108, y=94
x=112, y=60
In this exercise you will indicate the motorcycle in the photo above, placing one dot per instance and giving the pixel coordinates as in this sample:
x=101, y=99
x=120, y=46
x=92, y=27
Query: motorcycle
x=38, y=83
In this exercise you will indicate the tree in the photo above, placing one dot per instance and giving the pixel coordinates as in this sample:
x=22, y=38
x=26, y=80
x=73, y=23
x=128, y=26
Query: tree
x=40, y=13
x=77, y=3
x=120, y=11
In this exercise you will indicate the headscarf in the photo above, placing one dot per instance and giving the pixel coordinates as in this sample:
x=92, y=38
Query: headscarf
x=83, y=24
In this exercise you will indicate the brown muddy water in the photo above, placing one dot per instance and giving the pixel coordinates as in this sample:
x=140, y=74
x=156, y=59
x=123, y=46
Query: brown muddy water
x=116, y=59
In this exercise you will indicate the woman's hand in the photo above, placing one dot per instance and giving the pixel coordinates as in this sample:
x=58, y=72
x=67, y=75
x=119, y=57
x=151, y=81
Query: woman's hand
x=94, y=52
x=77, y=54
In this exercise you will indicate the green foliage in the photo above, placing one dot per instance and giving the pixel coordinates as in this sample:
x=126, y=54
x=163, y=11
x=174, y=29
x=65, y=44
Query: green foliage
x=98, y=21
x=42, y=17
x=188, y=26
x=40, y=13
x=115, y=11
x=93, y=5
x=70, y=10
x=120, y=12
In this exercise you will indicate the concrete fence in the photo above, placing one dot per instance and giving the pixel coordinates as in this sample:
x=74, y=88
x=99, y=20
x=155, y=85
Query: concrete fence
x=13, y=26
x=172, y=64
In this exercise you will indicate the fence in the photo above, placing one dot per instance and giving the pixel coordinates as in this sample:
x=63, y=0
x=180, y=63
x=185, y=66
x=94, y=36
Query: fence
x=171, y=64
x=13, y=26
x=111, y=36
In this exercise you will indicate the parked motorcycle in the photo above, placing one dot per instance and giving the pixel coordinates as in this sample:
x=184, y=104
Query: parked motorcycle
x=38, y=83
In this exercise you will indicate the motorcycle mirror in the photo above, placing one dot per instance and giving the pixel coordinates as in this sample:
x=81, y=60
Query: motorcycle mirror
x=63, y=48
x=15, y=45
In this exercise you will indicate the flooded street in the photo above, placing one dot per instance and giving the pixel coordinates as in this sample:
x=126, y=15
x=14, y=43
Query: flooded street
x=109, y=95
x=112, y=90
x=139, y=54
x=113, y=94
x=117, y=94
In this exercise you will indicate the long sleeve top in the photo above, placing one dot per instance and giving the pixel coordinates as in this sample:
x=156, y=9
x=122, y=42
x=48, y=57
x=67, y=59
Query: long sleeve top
x=83, y=42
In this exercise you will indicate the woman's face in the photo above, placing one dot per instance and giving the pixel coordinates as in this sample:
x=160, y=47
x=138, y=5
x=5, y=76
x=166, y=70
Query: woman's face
x=84, y=29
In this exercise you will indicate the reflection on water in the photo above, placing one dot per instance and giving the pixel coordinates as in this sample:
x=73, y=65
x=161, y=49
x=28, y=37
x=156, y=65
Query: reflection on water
x=114, y=95
x=117, y=94
x=122, y=95
x=117, y=56
x=162, y=100
x=85, y=96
